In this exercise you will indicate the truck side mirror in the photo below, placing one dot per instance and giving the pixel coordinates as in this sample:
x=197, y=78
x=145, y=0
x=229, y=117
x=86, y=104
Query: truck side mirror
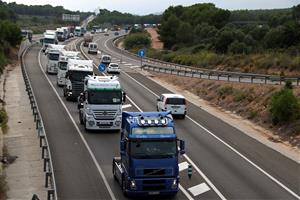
x=122, y=147
x=80, y=105
x=56, y=42
x=124, y=97
x=182, y=147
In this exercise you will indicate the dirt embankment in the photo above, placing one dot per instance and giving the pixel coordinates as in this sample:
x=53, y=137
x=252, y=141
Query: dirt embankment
x=155, y=42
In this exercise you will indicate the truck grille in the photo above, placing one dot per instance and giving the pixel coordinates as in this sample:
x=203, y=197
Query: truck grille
x=154, y=172
x=152, y=185
x=105, y=114
x=77, y=88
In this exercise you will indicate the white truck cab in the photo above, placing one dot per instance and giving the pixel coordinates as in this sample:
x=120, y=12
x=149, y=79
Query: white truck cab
x=53, y=53
x=77, y=70
x=93, y=48
x=63, y=63
x=100, y=105
x=49, y=38
x=113, y=68
x=175, y=103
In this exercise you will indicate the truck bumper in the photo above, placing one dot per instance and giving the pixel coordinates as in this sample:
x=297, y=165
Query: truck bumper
x=154, y=186
x=92, y=124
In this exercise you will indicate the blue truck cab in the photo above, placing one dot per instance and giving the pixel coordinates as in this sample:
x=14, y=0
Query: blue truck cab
x=148, y=162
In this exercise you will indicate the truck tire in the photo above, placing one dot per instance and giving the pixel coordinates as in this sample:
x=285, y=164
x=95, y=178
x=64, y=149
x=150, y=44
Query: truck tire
x=124, y=187
x=114, y=170
x=80, y=118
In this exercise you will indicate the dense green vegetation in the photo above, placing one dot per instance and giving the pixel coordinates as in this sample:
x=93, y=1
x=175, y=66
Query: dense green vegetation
x=115, y=17
x=10, y=34
x=259, y=41
x=222, y=31
x=38, y=18
x=285, y=107
x=138, y=39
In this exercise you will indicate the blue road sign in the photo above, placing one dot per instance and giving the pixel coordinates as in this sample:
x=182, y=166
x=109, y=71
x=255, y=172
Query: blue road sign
x=141, y=53
x=102, y=67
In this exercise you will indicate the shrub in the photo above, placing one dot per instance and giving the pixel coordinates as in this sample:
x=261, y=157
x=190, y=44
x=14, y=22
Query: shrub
x=137, y=40
x=285, y=107
x=225, y=90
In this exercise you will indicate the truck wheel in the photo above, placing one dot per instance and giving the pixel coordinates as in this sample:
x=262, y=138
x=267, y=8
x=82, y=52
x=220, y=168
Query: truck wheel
x=80, y=118
x=114, y=170
x=124, y=187
x=183, y=117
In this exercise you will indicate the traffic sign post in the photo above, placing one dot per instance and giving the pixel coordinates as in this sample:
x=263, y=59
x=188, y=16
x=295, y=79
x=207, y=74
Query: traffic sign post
x=102, y=67
x=141, y=54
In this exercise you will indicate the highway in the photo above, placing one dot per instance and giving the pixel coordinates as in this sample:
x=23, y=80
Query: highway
x=227, y=164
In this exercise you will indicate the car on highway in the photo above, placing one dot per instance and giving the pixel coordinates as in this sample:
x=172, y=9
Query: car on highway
x=113, y=68
x=93, y=48
x=175, y=103
x=116, y=33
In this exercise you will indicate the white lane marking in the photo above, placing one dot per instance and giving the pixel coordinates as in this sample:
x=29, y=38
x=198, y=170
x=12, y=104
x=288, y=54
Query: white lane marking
x=227, y=145
x=185, y=193
x=199, y=189
x=80, y=133
x=127, y=64
x=135, y=66
x=126, y=106
x=182, y=166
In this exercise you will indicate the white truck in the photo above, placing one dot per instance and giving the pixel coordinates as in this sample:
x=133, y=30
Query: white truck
x=79, y=31
x=60, y=34
x=62, y=65
x=53, y=51
x=77, y=70
x=100, y=105
x=49, y=38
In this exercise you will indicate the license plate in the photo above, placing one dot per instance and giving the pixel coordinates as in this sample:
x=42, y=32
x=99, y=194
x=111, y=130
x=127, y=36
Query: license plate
x=153, y=193
x=104, y=123
x=175, y=106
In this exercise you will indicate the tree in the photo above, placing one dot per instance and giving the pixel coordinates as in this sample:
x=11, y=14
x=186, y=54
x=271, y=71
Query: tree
x=238, y=47
x=184, y=33
x=168, y=31
x=284, y=107
x=224, y=39
x=275, y=38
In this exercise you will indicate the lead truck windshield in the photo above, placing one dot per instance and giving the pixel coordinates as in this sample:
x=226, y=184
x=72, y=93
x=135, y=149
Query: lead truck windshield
x=104, y=97
x=141, y=149
x=78, y=75
x=53, y=56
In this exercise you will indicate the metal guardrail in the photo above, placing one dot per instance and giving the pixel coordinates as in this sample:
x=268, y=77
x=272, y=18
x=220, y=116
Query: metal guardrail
x=46, y=154
x=183, y=70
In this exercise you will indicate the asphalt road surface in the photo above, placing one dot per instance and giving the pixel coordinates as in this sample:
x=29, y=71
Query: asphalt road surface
x=227, y=164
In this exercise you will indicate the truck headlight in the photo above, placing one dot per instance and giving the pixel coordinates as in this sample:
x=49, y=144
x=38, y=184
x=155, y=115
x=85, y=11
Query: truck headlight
x=174, y=184
x=89, y=111
x=91, y=122
x=132, y=185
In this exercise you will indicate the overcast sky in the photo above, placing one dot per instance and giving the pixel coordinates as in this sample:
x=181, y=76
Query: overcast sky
x=142, y=7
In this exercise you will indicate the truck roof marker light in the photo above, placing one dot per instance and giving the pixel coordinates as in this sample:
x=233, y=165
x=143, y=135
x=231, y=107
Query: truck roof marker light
x=143, y=122
x=156, y=121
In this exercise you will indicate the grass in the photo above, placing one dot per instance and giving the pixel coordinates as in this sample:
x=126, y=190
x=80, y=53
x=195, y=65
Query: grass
x=3, y=120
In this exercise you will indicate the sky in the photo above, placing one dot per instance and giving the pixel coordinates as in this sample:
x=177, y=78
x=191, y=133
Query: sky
x=142, y=7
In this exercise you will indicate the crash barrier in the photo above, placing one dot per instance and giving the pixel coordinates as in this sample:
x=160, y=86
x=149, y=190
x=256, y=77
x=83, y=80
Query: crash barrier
x=188, y=71
x=46, y=154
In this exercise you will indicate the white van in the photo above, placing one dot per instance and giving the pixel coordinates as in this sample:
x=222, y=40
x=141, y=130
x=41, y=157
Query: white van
x=175, y=103
x=93, y=48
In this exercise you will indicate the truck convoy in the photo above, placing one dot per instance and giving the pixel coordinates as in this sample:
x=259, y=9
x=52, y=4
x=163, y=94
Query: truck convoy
x=53, y=51
x=148, y=162
x=100, y=105
x=63, y=63
x=77, y=70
